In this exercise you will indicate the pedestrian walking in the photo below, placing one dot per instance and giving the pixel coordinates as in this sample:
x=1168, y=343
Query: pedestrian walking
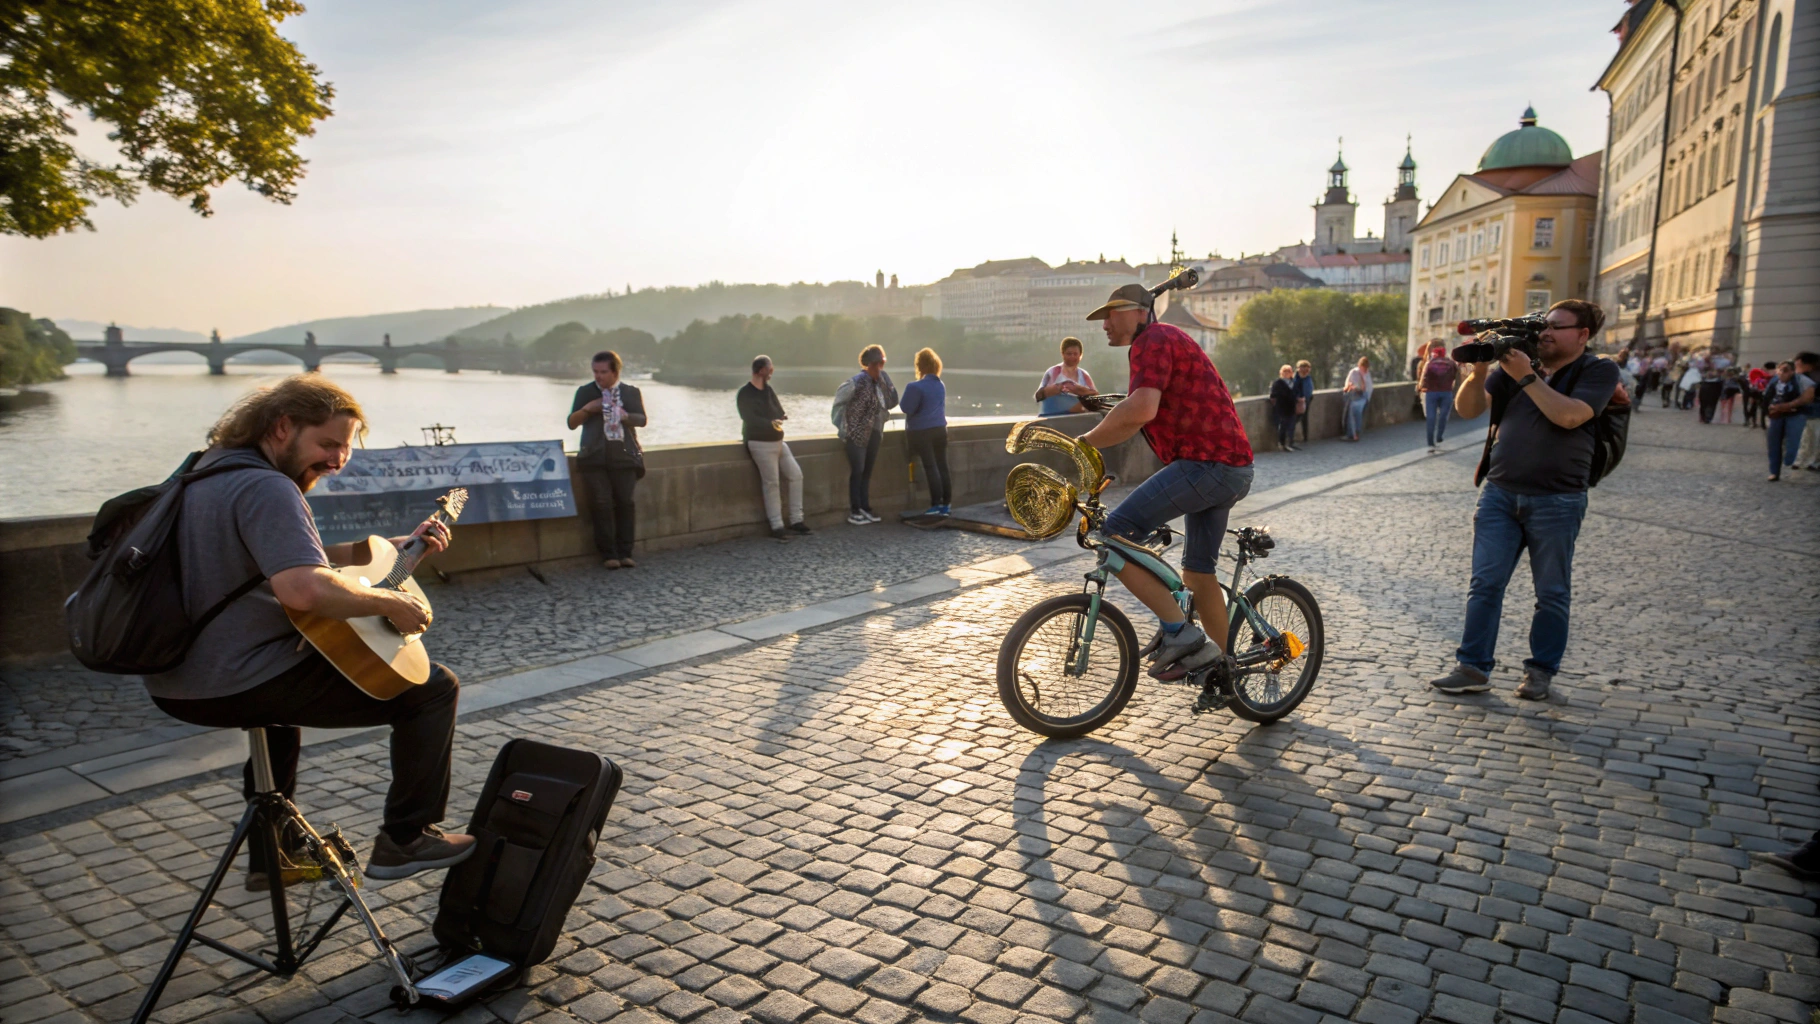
x=1729, y=390
x=859, y=413
x=1755, y=385
x=1358, y=393
x=925, y=409
x=761, y=426
x=1440, y=376
x=1689, y=386
x=1711, y=386
x=1282, y=406
x=1808, y=457
x=609, y=412
x=1063, y=384
x=1304, y=394
x=1789, y=394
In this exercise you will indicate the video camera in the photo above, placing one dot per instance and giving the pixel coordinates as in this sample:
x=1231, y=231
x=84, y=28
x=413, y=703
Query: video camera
x=1496, y=337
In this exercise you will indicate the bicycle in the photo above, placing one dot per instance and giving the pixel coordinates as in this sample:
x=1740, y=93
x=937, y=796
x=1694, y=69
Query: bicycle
x=1056, y=681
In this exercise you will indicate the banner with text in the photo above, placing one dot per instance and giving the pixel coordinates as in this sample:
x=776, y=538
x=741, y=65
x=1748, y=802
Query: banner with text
x=388, y=491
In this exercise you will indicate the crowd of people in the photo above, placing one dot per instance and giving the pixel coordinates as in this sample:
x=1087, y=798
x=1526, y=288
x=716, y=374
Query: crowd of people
x=1777, y=397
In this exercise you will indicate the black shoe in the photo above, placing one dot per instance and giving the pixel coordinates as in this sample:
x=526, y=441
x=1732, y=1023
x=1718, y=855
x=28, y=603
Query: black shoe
x=1463, y=679
x=800, y=528
x=777, y=533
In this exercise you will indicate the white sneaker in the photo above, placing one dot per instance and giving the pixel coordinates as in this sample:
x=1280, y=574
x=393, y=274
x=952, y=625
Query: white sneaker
x=856, y=519
x=870, y=518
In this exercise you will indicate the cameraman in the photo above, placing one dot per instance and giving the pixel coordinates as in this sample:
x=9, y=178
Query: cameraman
x=1535, y=491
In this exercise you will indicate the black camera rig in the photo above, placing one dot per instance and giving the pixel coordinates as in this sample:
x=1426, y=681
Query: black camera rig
x=1494, y=338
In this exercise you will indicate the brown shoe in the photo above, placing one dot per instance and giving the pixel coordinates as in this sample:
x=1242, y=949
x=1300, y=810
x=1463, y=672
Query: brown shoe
x=611, y=563
x=1534, y=685
x=627, y=563
x=427, y=852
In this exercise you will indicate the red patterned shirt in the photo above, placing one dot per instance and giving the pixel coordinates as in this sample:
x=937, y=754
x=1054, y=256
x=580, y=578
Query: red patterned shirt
x=1195, y=419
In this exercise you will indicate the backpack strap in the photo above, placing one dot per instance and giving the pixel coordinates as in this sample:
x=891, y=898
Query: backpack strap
x=190, y=476
x=1498, y=405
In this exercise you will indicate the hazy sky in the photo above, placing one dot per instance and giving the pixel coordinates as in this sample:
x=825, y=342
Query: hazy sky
x=483, y=155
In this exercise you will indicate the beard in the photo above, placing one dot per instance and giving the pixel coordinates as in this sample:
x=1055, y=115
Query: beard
x=294, y=463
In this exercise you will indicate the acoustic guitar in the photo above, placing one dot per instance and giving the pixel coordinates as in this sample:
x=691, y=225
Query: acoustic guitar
x=369, y=650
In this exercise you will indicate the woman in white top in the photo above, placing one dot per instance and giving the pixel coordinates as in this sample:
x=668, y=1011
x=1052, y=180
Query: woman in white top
x=1065, y=383
x=1358, y=392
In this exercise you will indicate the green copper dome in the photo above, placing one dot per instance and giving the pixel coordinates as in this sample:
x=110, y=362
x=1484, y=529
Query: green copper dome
x=1528, y=146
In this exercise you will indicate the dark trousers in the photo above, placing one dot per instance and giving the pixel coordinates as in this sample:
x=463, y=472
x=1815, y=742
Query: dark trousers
x=1285, y=427
x=610, y=505
x=1301, y=418
x=317, y=695
x=860, y=460
x=1709, y=398
x=930, y=447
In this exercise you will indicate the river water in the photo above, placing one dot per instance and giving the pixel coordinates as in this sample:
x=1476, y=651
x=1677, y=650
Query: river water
x=97, y=436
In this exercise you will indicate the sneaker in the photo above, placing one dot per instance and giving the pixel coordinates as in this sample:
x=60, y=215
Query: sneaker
x=779, y=533
x=870, y=517
x=800, y=528
x=1189, y=640
x=611, y=563
x=433, y=849
x=935, y=511
x=627, y=563
x=947, y=510
x=1802, y=862
x=856, y=519
x=1463, y=679
x=1535, y=684
x=1156, y=641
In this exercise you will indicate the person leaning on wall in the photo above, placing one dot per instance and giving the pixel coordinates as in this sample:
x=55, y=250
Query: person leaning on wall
x=761, y=426
x=609, y=413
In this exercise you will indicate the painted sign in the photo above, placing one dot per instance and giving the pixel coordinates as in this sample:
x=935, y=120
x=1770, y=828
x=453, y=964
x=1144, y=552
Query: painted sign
x=388, y=491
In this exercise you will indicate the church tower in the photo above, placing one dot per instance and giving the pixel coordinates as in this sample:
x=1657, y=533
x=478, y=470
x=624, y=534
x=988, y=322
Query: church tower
x=1336, y=215
x=1401, y=210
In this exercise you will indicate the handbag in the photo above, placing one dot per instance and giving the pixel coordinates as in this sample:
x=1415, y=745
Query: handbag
x=1301, y=406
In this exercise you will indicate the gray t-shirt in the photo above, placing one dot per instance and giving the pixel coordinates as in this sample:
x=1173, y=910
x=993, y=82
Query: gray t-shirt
x=234, y=526
x=1532, y=455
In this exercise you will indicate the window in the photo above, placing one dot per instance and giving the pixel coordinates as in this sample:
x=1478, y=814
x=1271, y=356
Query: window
x=1434, y=314
x=1731, y=152
x=1441, y=257
x=1424, y=257
x=1497, y=236
x=1478, y=242
x=1459, y=248
x=1699, y=268
x=1535, y=300
x=1545, y=233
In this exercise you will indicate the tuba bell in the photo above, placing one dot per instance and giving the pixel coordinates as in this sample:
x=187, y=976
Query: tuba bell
x=1040, y=499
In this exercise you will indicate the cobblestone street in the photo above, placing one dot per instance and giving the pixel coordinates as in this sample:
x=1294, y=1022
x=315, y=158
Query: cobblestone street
x=844, y=824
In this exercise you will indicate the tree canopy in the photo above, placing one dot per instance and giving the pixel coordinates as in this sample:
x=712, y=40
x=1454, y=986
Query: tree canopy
x=565, y=347
x=1330, y=329
x=31, y=351
x=195, y=93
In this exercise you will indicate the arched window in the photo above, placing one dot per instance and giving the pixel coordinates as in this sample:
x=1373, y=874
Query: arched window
x=1699, y=269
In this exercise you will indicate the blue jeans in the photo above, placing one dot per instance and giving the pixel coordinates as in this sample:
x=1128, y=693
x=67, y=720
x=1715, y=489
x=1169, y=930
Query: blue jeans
x=1204, y=492
x=1505, y=524
x=1785, y=441
x=1438, y=405
x=1355, y=417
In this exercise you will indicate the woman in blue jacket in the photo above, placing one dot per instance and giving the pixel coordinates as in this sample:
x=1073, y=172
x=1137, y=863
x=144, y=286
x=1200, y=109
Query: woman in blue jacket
x=924, y=406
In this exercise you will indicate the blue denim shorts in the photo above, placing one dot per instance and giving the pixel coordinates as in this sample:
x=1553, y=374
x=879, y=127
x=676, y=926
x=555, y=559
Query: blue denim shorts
x=1203, y=492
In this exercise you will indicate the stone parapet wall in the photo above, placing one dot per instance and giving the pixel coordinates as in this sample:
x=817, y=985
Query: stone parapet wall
x=691, y=495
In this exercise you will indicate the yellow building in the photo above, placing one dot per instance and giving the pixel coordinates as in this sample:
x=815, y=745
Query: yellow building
x=1510, y=238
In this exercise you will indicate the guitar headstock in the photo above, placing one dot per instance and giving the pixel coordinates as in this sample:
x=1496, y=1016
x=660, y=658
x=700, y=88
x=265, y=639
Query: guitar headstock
x=451, y=504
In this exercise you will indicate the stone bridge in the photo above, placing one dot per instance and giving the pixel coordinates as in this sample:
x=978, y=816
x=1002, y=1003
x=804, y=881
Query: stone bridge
x=116, y=352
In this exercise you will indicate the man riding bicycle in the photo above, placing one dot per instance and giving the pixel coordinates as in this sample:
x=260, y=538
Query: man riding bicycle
x=1181, y=405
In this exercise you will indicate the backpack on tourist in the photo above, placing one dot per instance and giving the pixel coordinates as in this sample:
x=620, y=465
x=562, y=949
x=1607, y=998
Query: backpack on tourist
x=1611, y=427
x=127, y=617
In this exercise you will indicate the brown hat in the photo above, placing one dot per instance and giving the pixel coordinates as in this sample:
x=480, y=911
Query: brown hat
x=1131, y=296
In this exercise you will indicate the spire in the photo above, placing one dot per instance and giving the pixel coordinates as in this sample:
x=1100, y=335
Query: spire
x=1528, y=120
x=1409, y=162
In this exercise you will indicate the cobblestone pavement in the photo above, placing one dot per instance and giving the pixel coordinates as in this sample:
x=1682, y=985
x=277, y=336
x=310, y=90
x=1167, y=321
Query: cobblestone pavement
x=844, y=825
x=504, y=622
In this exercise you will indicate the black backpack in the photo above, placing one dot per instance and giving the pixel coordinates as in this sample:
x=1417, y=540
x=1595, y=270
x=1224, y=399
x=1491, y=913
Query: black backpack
x=535, y=824
x=1610, y=428
x=127, y=617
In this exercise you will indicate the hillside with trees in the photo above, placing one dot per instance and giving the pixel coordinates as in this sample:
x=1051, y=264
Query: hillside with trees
x=32, y=351
x=664, y=311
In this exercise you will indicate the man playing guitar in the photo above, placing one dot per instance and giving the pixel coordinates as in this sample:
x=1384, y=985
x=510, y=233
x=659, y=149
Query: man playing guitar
x=250, y=666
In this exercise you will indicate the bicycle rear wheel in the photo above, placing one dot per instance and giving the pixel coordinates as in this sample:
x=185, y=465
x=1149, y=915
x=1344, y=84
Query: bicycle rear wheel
x=1267, y=691
x=1037, y=680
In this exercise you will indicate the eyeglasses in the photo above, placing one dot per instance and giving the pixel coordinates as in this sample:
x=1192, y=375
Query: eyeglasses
x=1552, y=326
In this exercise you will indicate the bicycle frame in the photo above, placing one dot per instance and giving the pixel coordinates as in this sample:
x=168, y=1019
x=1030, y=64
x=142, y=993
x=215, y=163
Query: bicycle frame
x=1116, y=553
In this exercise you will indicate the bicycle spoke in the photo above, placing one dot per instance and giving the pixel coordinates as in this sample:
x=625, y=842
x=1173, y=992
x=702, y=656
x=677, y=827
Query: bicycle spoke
x=1045, y=671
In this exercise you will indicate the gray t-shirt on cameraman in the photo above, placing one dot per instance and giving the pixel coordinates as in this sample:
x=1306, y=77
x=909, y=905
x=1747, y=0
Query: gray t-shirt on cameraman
x=233, y=526
x=1532, y=455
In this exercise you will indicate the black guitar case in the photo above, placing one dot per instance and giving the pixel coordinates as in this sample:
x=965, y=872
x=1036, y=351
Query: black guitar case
x=536, y=825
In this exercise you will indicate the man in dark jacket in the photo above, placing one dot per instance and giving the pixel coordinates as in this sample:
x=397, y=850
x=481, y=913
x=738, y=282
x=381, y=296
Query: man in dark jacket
x=609, y=411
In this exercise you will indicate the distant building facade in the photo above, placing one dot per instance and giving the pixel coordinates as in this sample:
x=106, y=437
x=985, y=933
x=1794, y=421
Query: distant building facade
x=1219, y=297
x=1510, y=238
x=1025, y=298
x=1637, y=83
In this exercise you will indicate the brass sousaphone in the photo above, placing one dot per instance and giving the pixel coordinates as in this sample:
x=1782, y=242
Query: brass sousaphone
x=1039, y=498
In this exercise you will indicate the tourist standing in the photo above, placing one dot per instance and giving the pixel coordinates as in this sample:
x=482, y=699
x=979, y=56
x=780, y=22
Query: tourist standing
x=1789, y=394
x=1358, y=393
x=1729, y=390
x=1304, y=394
x=761, y=426
x=1064, y=384
x=1440, y=376
x=925, y=409
x=1690, y=384
x=860, y=406
x=1282, y=406
x=1711, y=386
x=1755, y=385
x=1807, y=364
x=609, y=413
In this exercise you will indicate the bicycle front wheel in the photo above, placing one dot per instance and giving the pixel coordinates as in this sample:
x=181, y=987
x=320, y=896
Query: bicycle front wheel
x=1041, y=678
x=1269, y=690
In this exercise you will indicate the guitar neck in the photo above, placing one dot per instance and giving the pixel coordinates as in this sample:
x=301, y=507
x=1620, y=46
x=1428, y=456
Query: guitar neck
x=411, y=555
